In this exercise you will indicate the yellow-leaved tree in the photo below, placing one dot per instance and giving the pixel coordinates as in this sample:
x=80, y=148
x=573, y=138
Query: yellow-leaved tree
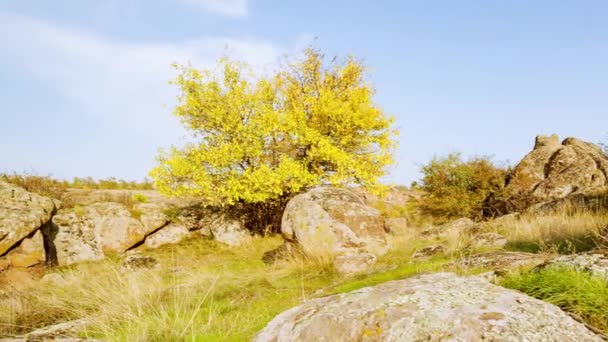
x=263, y=138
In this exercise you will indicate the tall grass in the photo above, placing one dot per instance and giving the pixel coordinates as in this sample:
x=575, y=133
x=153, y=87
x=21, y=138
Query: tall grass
x=576, y=292
x=564, y=231
x=203, y=291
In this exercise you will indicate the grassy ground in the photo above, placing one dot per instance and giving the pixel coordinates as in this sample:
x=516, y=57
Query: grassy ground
x=576, y=292
x=205, y=291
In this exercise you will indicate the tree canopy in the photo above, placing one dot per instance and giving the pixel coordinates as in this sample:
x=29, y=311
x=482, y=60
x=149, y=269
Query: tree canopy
x=263, y=137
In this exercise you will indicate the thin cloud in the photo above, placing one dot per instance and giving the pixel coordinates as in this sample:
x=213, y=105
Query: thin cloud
x=233, y=8
x=121, y=81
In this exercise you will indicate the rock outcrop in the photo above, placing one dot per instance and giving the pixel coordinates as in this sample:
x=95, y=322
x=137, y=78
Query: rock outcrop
x=225, y=229
x=594, y=263
x=554, y=170
x=440, y=306
x=21, y=213
x=172, y=233
x=93, y=231
x=501, y=261
x=331, y=221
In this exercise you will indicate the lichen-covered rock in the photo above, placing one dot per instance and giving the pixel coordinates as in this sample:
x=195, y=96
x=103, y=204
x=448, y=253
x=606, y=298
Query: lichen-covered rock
x=93, y=231
x=152, y=216
x=171, y=233
x=501, y=261
x=428, y=251
x=353, y=262
x=29, y=252
x=333, y=221
x=397, y=225
x=488, y=240
x=433, y=307
x=593, y=263
x=554, y=170
x=21, y=213
x=139, y=262
x=226, y=229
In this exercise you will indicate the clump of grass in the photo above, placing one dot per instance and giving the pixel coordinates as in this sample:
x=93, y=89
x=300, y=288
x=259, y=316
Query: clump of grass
x=203, y=291
x=576, y=292
x=140, y=198
x=562, y=231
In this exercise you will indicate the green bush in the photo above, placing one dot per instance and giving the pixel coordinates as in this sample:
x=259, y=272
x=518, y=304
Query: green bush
x=455, y=188
x=576, y=292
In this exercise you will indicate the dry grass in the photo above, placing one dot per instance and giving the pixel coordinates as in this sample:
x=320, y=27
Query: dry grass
x=203, y=291
x=565, y=231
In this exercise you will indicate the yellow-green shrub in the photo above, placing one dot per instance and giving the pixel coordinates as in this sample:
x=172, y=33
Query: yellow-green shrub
x=456, y=188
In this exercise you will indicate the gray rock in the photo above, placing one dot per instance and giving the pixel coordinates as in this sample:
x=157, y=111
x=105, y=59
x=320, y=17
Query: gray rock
x=593, y=263
x=428, y=251
x=21, y=213
x=353, y=262
x=333, y=221
x=554, y=170
x=139, y=262
x=152, y=216
x=488, y=240
x=501, y=261
x=169, y=234
x=226, y=230
x=93, y=231
x=433, y=307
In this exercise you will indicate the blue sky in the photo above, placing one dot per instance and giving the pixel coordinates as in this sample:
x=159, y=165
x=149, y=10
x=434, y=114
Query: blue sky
x=85, y=93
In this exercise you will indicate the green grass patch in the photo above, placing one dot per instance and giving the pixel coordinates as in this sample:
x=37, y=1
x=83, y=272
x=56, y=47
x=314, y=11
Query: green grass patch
x=576, y=292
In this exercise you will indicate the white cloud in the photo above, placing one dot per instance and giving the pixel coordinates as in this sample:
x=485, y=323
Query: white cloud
x=234, y=8
x=115, y=80
x=121, y=86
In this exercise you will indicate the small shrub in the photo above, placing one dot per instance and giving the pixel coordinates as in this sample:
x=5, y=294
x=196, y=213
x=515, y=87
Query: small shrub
x=456, y=188
x=42, y=185
x=140, y=198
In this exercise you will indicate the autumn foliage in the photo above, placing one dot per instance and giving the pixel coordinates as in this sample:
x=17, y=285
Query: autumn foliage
x=264, y=137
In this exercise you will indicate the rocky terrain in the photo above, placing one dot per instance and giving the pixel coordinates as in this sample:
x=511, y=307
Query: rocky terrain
x=345, y=235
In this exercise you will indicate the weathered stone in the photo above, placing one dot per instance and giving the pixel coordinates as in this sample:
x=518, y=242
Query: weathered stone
x=594, y=263
x=138, y=262
x=29, y=252
x=428, y=251
x=93, y=231
x=171, y=233
x=488, y=240
x=397, y=225
x=352, y=262
x=440, y=306
x=501, y=261
x=152, y=216
x=226, y=230
x=53, y=279
x=21, y=213
x=333, y=221
x=554, y=171
x=461, y=226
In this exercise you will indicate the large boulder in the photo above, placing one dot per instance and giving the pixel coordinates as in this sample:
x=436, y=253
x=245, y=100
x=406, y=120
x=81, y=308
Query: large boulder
x=433, y=307
x=333, y=221
x=225, y=229
x=554, y=170
x=21, y=213
x=93, y=231
x=152, y=216
x=169, y=234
